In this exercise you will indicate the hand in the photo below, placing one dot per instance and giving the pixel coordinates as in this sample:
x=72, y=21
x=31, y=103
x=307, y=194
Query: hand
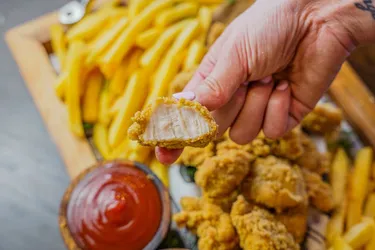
x=270, y=67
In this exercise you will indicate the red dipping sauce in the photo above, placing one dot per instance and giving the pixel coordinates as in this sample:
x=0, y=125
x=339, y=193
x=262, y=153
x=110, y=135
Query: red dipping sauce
x=114, y=207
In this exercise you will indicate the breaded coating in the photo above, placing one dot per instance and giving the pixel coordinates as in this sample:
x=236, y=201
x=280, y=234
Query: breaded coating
x=212, y=225
x=196, y=156
x=325, y=118
x=289, y=146
x=318, y=191
x=295, y=221
x=311, y=158
x=225, y=202
x=274, y=183
x=220, y=175
x=216, y=30
x=258, y=229
x=227, y=144
x=170, y=123
x=180, y=81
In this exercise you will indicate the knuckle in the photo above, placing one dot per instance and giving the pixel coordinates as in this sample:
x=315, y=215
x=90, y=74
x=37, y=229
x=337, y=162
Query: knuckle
x=218, y=94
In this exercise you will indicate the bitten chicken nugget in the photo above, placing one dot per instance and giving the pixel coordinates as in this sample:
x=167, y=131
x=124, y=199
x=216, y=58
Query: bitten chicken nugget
x=170, y=123
x=325, y=118
x=220, y=175
x=319, y=192
x=212, y=225
x=258, y=229
x=274, y=183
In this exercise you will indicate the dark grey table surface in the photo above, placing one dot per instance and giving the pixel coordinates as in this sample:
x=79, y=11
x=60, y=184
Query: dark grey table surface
x=32, y=174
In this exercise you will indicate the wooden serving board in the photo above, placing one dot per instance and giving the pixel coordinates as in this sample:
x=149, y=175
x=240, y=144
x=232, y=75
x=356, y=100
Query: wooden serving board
x=29, y=44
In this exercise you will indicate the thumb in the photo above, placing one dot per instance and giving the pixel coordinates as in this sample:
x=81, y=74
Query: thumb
x=220, y=74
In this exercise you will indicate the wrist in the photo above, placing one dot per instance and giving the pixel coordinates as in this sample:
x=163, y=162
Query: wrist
x=352, y=21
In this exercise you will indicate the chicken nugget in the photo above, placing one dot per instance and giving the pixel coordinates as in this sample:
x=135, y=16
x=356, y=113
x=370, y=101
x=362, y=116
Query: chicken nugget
x=325, y=118
x=220, y=175
x=319, y=192
x=170, y=123
x=273, y=182
x=212, y=225
x=258, y=229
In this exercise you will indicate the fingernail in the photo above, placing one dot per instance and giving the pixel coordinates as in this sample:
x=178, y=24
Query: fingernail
x=266, y=80
x=188, y=95
x=283, y=85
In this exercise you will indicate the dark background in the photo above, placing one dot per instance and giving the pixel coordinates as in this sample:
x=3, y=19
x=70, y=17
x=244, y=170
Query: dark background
x=32, y=174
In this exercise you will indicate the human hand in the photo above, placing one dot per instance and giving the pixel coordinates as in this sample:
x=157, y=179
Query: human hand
x=270, y=67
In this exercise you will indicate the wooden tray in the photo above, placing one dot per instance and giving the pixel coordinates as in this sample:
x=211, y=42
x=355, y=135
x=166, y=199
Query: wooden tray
x=29, y=44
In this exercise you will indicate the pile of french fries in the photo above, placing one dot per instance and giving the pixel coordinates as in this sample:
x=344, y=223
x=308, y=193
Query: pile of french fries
x=352, y=224
x=118, y=59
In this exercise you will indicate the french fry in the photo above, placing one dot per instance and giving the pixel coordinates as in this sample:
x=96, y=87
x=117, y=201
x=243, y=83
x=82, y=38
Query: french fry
x=358, y=186
x=88, y=27
x=370, y=206
x=138, y=152
x=120, y=78
x=339, y=175
x=90, y=107
x=373, y=171
x=73, y=88
x=114, y=109
x=215, y=32
x=371, y=186
x=135, y=95
x=136, y=6
x=147, y=38
x=58, y=42
x=105, y=40
x=176, y=13
x=121, y=151
x=336, y=224
x=104, y=105
x=361, y=233
x=194, y=55
x=109, y=4
x=160, y=170
x=111, y=59
x=60, y=85
x=100, y=137
x=371, y=244
x=205, y=20
x=171, y=63
x=340, y=244
x=152, y=55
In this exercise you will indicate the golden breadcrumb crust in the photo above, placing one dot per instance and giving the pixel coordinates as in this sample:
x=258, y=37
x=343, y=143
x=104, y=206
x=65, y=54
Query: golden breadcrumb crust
x=220, y=175
x=258, y=229
x=141, y=120
x=274, y=183
x=212, y=225
x=196, y=156
x=325, y=118
x=319, y=192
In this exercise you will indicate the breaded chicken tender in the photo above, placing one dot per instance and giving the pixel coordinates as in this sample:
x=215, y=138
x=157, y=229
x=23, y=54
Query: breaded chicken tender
x=311, y=158
x=179, y=82
x=295, y=221
x=212, y=225
x=325, y=118
x=171, y=124
x=196, y=156
x=220, y=175
x=273, y=182
x=319, y=192
x=258, y=229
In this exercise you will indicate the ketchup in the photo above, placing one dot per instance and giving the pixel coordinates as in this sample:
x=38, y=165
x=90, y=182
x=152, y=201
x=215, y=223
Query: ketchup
x=115, y=207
